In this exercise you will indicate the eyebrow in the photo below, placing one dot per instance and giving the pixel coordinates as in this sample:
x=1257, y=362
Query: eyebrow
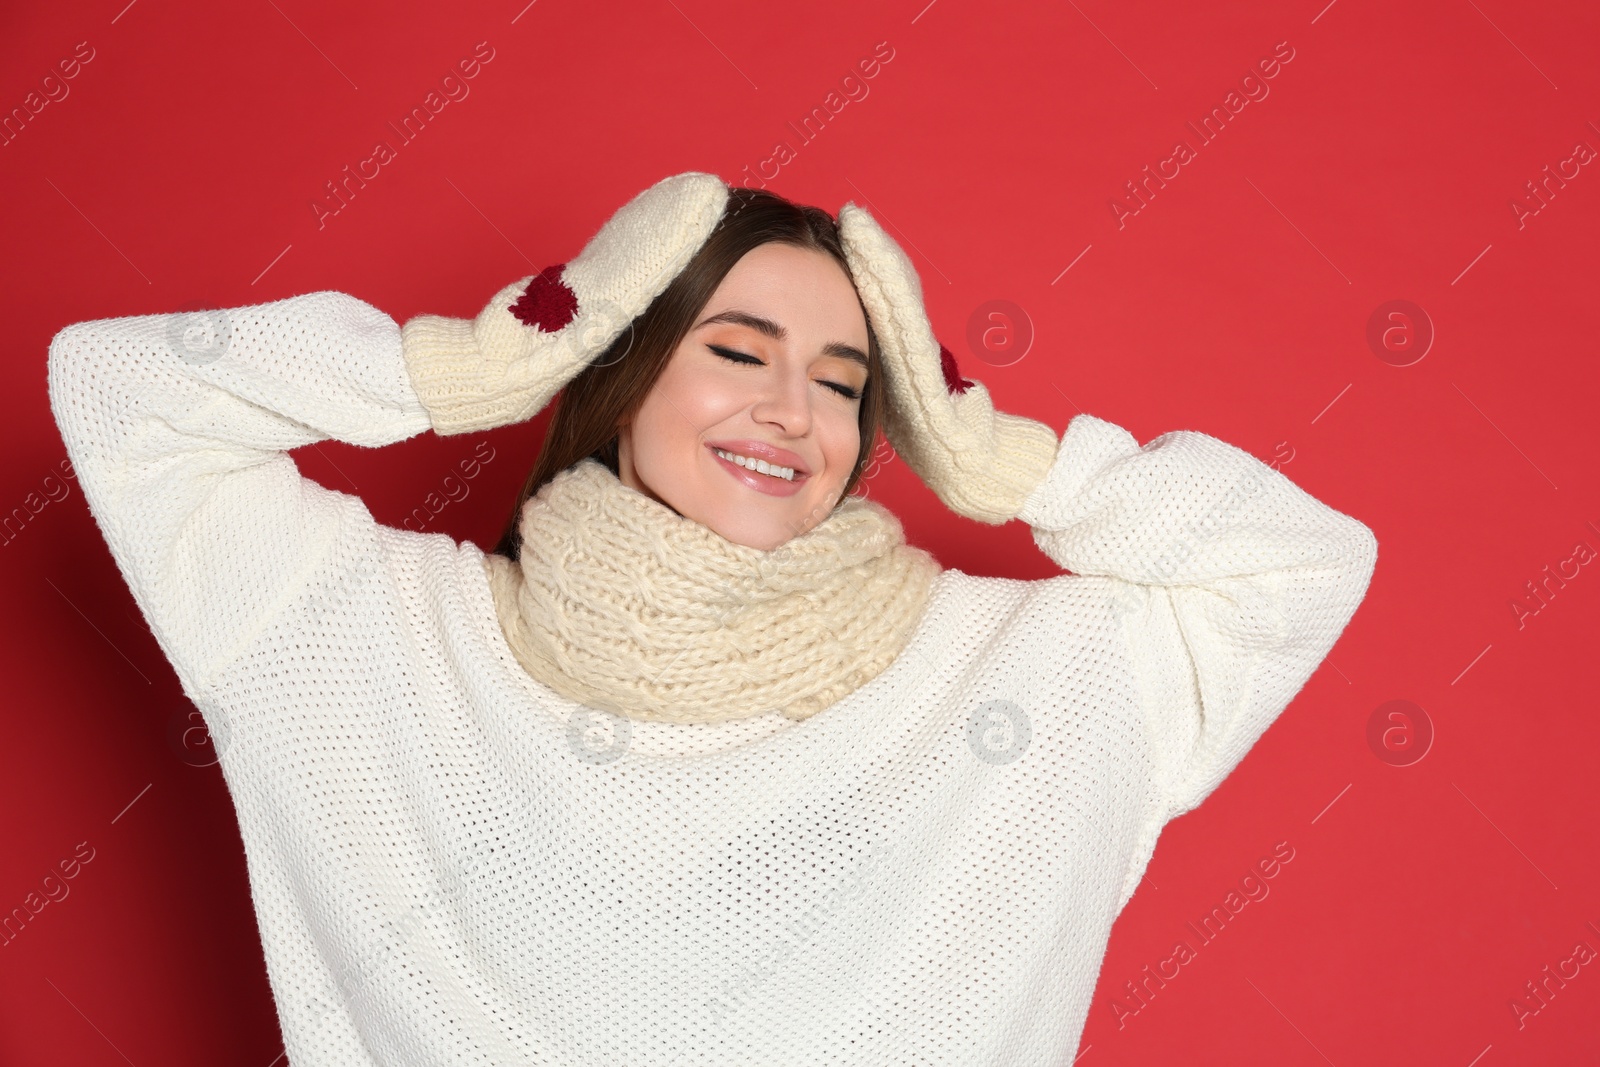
x=735, y=317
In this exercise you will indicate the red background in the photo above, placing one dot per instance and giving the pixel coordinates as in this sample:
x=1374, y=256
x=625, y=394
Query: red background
x=179, y=173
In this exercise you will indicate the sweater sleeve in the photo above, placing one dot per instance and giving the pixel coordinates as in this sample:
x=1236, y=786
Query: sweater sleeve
x=179, y=428
x=1232, y=583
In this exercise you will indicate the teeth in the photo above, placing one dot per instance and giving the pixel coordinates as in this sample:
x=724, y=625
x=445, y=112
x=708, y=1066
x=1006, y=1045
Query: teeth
x=759, y=465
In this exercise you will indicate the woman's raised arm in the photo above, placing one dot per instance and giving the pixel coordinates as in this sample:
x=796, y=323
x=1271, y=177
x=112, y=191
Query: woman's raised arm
x=179, y=425
x=1233, y=583
x=179, y=428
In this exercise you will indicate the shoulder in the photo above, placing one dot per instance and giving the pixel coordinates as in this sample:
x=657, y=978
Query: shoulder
x=1056, y=591
x=1079, y=608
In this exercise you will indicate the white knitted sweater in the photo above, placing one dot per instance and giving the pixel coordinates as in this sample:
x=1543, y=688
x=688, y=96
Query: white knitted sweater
x=452, y=864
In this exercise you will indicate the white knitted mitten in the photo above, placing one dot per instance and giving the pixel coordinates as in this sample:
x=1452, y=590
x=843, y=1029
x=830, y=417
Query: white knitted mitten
x=979, y=462
x=536, y=334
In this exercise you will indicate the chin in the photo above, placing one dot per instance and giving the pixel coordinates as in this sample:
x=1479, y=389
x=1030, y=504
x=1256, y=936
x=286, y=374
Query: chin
x=738, y=514
x=751, y=533
x=756, y=526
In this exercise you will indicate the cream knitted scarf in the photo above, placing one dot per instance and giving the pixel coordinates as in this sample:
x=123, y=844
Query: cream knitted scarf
x=620, y=603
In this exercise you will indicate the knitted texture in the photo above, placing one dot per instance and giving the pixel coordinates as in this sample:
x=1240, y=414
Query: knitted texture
x=453, y=864
x=980, y=462
x=538, y=332
x=622, y=604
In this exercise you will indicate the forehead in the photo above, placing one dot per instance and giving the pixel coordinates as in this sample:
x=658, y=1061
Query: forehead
x=805, y=291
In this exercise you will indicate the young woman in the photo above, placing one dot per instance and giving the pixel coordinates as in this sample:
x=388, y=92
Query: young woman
x=704, y=764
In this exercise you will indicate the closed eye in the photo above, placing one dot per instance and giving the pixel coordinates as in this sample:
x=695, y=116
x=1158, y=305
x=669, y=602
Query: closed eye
x=740, y=357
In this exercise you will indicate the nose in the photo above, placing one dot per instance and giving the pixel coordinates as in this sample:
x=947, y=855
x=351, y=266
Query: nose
x=785, y=402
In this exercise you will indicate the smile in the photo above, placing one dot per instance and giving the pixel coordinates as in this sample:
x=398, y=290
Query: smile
x=772, y=480
x=761, y=465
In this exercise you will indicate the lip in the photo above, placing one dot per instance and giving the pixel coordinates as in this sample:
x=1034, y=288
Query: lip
x=761, y=450
x=761, y=483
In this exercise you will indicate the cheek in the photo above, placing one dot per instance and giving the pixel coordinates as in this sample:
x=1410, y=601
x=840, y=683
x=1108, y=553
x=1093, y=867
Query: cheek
x=673, y=416
x=656, y=429
x=692, y=402
x=842, y=443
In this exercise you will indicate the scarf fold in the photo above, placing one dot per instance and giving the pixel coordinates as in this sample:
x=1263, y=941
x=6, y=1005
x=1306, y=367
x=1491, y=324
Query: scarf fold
x=620, y=603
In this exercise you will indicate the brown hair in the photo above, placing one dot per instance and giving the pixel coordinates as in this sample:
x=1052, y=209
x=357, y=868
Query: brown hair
x=612, y=388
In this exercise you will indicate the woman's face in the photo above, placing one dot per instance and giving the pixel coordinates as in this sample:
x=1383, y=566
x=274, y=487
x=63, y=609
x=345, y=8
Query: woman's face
x=763, y=374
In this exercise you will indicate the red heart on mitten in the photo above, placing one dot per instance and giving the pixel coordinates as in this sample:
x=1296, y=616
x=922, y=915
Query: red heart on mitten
x=953, y=381
x=548, y=303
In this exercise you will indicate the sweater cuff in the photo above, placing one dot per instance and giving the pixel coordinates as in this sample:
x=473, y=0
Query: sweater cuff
x=1089, y=445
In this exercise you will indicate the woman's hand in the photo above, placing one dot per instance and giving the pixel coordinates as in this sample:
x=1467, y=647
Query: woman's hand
x=537, y=333
x=980, y=463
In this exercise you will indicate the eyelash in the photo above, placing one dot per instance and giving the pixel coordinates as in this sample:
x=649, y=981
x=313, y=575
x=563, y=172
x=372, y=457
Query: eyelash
x=740, y=357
